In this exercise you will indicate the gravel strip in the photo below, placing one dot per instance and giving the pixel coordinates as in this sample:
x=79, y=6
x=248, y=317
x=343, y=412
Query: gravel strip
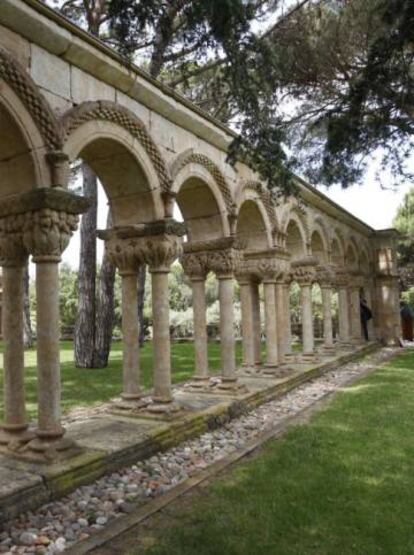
x=57, y=525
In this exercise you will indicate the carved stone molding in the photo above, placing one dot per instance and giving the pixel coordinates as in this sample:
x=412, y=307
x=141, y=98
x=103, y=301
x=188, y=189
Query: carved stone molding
x=195, y=265
x=40, y=222
x=341, y=278
x=25, y=88
x=109, y=111
x=326, y=276
x=156, y=244
x=263, y=266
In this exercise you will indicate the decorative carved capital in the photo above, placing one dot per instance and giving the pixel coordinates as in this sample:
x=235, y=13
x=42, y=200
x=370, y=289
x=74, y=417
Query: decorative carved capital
x=12, y=250
x=266, y=265
x=47, y=233
x=304, y=270
x=156, y=244
x=195, y=265
x=40, y=223
x=225, y=263
x=326, y=276
x=341, y=278
x=222, y=256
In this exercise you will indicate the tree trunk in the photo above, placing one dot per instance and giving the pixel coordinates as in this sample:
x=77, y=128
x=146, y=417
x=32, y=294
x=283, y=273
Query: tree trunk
x=27, y=329
x=105, y=310
x=84, y=335
x=142, y=274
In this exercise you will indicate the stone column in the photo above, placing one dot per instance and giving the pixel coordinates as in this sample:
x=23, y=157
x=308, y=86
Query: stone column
x=48, y=229
x=247, y=323
x=328, y=343
x=200, y=329
x=307, y=322
x=13, y=260
x=368, y=297
x=355, y=314
x=272, y=358
x=281, y=320
x=257, y=325
x=156, y=244
x=130, y=336
x=194, y=266
x=288, y=354
x=343, y=314
x=227, y=339
x=225, y=264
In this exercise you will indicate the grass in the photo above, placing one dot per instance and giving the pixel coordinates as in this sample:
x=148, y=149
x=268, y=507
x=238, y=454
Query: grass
x=82, y=387
x=342, y=484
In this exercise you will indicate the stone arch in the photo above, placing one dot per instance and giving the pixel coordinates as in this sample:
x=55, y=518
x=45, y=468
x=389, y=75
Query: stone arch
x=337, y=248
x=363, y=261
x=265, y=197
x=121, y=160
x=24, y=142
x=201, y=202
x=253, y=227
x=351, y=256
x=296, y=231
x=191, y=157
x=104, y=110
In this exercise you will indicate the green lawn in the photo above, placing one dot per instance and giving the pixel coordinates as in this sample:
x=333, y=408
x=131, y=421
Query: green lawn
x=86, y=386
x=342, y=484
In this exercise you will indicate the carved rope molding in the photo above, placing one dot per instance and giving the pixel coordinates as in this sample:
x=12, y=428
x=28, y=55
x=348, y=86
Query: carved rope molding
x=213, y=170
x=114, y=113
x=24, y=87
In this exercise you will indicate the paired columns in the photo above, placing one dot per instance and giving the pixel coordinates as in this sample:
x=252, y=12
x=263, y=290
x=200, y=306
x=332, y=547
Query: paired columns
x=39, y=223
x=157, y=244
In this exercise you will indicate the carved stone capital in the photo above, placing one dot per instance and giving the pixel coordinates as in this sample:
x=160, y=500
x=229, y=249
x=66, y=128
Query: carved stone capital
x=195, y=265
x=265, y=265
x=304, y=270
x=40, y=223
x=156, y=244
x=341, y=278
x=326, y=276
x=12, y=250
x=222, y=256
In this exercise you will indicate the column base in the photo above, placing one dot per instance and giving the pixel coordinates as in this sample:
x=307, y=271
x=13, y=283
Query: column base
x=307, y=358
x=49, y=451
x=131, y=402
x=249, y=371
x=198, y=384
x=328, y=351
x=230, y=386
x=269, y=369
x=15, y=438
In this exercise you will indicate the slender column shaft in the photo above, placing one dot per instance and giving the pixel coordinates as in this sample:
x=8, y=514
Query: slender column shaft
x=247, y=324
x=281, y=320
x=48, y=364
x=227, y=340
x=355, y=314
x=12, y=323
x=327, y=317
x=288, y=334
x=307, y=321
x=161, y=337
x=343, y=314
x=200, y=328
x=130, y=335
x=257, y=327
x=368, y=297
x=270, y=322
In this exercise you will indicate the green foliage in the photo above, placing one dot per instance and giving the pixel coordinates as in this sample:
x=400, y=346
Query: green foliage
x=404, y=223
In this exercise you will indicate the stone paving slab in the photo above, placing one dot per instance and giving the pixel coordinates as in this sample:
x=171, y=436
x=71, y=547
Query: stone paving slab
x=111, y=442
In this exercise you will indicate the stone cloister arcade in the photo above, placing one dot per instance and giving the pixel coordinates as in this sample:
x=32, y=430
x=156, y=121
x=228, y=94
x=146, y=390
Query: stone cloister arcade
x=231, y=227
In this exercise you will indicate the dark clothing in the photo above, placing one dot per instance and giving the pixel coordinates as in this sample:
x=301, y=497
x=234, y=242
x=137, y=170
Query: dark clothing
x=407, y=321
x=366, y=315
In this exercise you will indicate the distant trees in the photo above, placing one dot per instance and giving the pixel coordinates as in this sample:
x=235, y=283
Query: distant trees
x=404, y=223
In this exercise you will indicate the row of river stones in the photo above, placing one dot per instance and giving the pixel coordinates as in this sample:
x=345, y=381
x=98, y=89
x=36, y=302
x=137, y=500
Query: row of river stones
x=55, y=526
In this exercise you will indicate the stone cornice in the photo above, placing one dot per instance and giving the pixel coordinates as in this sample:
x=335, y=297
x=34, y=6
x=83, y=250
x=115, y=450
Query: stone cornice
x=41, y=199
x=168, y=226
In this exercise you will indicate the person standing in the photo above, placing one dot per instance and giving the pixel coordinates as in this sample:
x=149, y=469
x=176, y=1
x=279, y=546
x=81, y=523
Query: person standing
x=407, y=320
x=366, y=315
